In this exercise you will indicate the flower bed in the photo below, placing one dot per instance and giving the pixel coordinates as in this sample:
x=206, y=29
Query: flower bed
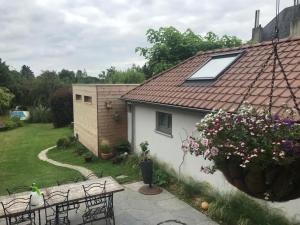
x=258, y=153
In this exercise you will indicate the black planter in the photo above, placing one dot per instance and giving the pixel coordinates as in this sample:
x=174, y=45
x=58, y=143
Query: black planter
x=147, y=171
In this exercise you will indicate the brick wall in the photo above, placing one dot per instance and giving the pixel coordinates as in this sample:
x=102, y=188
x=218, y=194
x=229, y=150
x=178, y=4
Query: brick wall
x=94, y=121
x=112, y=123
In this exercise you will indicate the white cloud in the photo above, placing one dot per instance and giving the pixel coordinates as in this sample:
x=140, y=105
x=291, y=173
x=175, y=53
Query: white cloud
x=97, y=34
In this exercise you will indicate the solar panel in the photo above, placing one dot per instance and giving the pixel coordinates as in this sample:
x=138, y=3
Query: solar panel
x=214, y=66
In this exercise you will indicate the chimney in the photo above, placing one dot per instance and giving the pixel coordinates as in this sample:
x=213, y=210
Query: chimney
x=257, y=31
x=295, y=22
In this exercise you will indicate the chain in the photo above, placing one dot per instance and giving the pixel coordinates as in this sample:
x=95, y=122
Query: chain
x=256, y=78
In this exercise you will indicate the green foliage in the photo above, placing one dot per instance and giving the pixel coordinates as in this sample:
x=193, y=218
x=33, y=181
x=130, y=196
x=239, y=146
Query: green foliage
x=62, y=107
x=170, y=46
x=133, y=75
x=104, y=146
x=80, y=149
x=122, y=146
x=40, y=114
x=63, y=143
x=11, y=123
x=5, y=99
x=26, y=72
x=67, y=76
x=161, y=178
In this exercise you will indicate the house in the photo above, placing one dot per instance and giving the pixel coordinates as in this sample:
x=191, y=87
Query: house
x=164, y=109
x=99, y=113
x=289, y=24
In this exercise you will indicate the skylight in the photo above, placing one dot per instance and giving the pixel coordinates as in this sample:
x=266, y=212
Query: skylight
x=215, y=66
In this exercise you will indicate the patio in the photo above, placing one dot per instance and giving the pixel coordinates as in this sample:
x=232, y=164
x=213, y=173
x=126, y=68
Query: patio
x=133, y=208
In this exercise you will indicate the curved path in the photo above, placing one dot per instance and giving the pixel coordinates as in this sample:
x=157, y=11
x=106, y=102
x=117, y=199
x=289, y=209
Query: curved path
x=84, y=171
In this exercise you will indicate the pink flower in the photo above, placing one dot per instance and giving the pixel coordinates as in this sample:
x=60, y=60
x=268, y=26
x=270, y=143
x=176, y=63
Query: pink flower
x=206, y=153
x=214, y=151
x=204, y=141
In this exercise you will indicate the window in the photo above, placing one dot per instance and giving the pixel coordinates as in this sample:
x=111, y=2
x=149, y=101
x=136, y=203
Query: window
x=88, y=99
x=215, y=66
x=164, y=122
x=78, y=97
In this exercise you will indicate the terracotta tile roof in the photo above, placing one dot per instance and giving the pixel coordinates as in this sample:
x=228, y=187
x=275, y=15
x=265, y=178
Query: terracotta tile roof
x=228, y=90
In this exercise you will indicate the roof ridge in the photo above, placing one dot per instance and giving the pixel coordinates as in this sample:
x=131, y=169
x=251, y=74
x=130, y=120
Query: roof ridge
x=247, y=46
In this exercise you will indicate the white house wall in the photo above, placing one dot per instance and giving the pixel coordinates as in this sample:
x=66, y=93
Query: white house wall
x=168, y=149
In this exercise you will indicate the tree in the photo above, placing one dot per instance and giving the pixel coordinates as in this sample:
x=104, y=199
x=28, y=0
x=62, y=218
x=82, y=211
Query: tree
x=5, y=99
x=44, y=86
x=4, y=74
x=133, y=75
x=26, y=72
x=169, y=46
x=67, y=76
x=62, y=107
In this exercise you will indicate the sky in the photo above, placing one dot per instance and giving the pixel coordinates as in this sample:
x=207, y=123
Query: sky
x=96, y=34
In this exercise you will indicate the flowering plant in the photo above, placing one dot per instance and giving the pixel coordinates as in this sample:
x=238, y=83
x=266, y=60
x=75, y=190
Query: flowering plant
x=249, y=137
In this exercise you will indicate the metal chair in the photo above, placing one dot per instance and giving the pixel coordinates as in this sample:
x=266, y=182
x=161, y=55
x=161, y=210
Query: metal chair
x=18, y=189
x=59, y=213
x=99, y=204
x=24, y=215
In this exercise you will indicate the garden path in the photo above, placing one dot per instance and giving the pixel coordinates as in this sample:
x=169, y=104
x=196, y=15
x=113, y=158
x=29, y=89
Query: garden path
x=84, y=171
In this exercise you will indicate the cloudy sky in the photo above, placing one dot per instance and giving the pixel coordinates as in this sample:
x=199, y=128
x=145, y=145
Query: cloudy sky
x=95, y=34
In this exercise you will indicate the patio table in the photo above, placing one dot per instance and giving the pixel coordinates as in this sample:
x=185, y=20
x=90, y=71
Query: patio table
x=76, y=194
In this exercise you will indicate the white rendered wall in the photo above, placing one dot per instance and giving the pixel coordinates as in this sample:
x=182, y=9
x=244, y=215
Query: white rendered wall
x=168, y=149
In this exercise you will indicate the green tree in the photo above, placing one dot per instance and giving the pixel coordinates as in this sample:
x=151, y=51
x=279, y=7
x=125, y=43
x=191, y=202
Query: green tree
x=26, y=72
x=5, y=99
x=67, y=76
x=132, y=75
x=44, y=87
x=170, y=46
x=5, y=79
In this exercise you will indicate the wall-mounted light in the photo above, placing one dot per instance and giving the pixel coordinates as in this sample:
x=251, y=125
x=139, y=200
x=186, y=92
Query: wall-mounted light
x=108, y=104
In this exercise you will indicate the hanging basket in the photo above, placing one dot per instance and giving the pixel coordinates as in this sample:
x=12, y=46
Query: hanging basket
x=273, y=183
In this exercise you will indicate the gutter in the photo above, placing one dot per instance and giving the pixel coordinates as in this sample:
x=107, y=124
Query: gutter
x=169, y=106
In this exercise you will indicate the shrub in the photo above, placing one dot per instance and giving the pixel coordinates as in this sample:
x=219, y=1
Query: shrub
x=104, y=146
x=62, y=107
x=63, y=143
x=80, y=149
x=40, y=114
x=11, y=123
x=122, y=146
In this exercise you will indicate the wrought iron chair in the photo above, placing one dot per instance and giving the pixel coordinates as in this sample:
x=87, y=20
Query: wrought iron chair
x=57, y=214
x=99, y=204
x=18, y=189
x=23, y=216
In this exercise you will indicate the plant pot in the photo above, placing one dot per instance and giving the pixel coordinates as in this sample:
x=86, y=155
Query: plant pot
x=88, y=158
x=147, y=171
x=106, y=156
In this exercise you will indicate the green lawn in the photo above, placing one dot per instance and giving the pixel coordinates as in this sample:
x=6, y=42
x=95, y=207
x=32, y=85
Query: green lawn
x=97, y=165
x=19, y=164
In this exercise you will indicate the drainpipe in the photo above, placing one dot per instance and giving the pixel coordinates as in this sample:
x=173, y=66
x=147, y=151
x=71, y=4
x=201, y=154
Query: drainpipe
x=133, y=126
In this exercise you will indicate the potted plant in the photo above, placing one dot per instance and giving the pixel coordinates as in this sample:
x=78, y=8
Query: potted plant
x=88, y=156
x=146, y=164
x=105, y=150
x=36, y=196
x=257, y=152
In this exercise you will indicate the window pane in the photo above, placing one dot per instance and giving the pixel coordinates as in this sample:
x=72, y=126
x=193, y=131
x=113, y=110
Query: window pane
x=88, y=99
x=214, y=67
x=164, y=122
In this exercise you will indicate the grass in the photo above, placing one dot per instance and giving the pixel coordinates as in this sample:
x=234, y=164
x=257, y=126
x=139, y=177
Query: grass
x=69, y=155
x=19, y=164
x=234, y=208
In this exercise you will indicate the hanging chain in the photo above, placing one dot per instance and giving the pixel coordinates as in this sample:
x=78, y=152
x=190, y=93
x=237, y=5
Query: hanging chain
x=276, y=58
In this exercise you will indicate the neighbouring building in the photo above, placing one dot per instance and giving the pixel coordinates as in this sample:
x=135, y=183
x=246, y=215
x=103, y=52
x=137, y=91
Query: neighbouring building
x=99, y=113
x=288, y=23
x=164, y=109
